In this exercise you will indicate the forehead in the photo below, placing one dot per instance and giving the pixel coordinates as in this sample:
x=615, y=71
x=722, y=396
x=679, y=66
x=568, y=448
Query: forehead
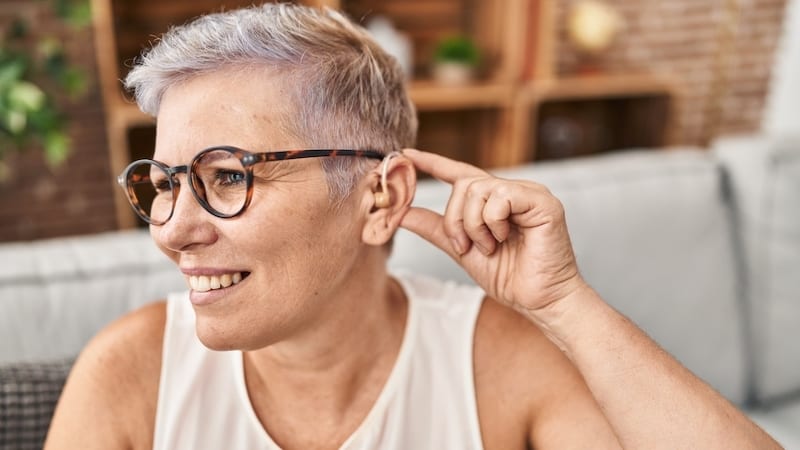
x=246, y=108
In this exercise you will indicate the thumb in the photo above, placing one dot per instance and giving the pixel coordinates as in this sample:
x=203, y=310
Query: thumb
x=429, y=225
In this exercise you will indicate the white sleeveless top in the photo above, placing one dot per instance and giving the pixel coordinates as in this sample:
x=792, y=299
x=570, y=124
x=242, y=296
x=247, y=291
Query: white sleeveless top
x=428, y=401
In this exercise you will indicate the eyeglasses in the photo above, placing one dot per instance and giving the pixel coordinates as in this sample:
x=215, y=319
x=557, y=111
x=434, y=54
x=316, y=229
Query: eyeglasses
x=220, y=178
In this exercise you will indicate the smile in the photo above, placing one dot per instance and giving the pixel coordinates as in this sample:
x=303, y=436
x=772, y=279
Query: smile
x=205, y=283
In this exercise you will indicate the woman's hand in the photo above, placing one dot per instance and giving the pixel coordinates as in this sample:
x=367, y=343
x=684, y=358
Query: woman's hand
x=509, y=235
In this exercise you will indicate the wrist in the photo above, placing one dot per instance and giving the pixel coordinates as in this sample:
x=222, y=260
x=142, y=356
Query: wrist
x=562, y=319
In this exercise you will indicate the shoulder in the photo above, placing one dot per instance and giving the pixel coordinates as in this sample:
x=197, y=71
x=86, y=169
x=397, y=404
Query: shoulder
x=508, y=342
x=129, y=347
x=113, y=386
x=527, y=390
x=512, y=360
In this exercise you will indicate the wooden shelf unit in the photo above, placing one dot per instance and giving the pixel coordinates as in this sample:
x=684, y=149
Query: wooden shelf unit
x=430, y=96
x=491, y=122
x=599, y=86
x=654, y=97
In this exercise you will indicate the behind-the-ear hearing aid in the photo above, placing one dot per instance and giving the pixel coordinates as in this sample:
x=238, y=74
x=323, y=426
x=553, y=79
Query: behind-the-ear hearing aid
x=383, y=198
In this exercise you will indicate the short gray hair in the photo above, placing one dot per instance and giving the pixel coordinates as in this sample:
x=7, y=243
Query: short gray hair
x=346, y=91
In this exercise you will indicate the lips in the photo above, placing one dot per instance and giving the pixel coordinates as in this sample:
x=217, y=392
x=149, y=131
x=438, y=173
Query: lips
x=205, y=283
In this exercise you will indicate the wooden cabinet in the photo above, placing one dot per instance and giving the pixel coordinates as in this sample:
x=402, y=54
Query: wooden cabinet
x=491, y=122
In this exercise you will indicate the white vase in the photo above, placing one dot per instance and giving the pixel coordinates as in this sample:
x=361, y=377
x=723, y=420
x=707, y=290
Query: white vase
x=453, y=73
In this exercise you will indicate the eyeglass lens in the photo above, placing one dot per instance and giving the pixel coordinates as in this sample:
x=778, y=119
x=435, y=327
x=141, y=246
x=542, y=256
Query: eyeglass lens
x=218, y=177
x=150, y=190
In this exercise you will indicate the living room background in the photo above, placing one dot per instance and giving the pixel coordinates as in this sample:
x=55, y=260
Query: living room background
x=681, y=39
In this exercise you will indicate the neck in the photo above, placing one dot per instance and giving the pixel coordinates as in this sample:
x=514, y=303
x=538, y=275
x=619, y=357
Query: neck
x=343, y=356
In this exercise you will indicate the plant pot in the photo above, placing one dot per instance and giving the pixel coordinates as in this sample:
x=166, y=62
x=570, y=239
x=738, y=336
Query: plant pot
x=453, y=73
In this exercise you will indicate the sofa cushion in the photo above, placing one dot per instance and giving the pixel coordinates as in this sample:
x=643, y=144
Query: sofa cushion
x=56, y=294
x=765, y=178
x=28, y=396
x=651, y=231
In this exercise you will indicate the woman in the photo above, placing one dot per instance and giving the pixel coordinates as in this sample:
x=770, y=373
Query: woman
x=276, y=186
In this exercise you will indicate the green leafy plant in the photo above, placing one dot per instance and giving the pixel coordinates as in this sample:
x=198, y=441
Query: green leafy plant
x=31, y=70
x=457, y=49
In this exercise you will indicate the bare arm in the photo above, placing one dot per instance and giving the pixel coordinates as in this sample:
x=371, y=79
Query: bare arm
x=650, y=399
x=511, y=237
x=109, y=399
x=529, y=394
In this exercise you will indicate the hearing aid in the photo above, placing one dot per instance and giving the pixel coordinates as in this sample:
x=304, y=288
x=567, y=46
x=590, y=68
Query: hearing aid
x=383, y=198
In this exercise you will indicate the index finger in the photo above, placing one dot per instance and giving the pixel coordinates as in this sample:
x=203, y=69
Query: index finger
x=445, y=169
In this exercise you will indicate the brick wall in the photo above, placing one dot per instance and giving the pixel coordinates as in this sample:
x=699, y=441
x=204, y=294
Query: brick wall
x=681, y=38
x=75, y=198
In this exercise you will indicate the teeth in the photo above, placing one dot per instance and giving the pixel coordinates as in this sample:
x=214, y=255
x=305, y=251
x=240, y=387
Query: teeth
x=202, y=284
x=205, y=283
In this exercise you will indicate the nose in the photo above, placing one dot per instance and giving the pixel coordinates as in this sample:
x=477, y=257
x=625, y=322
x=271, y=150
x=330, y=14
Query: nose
x=189, y=227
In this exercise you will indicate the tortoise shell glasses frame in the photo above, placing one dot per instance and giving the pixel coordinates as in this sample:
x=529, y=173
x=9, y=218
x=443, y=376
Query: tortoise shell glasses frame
x=139, y=174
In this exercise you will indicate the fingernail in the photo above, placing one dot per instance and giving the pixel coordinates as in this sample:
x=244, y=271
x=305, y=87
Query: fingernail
x=482, y=249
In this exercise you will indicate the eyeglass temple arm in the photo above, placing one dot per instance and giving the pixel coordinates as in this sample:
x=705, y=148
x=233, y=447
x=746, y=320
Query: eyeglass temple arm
x=313, y=153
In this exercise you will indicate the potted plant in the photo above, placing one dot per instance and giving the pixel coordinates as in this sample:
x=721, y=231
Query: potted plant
x=30, y=71
x=456, y=59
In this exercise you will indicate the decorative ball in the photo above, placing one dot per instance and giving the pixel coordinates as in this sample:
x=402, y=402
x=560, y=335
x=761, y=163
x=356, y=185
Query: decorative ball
x=593, y=25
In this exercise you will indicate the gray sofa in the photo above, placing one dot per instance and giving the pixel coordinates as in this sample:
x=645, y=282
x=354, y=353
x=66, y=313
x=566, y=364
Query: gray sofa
x=700, y=248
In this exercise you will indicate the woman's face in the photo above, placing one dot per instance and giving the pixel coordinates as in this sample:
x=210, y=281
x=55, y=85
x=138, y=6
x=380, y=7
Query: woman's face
x=291, y=249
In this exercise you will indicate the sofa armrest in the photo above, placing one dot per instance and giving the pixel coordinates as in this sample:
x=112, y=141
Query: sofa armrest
x=764, y=178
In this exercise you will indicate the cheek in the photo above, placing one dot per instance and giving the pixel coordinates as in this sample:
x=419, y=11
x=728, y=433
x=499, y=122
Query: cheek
x=314, y=239
x=305, y=213
x=314, y=242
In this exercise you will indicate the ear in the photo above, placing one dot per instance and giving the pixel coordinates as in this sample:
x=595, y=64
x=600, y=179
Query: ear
x=384, y=219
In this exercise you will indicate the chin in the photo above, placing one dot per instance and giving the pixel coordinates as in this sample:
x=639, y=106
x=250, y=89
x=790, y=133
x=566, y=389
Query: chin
x=217, y=336
x=216, y=341
x=227, y=336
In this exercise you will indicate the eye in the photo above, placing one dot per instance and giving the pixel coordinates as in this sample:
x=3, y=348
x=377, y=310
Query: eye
x=230, y=177
x=161, y=185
